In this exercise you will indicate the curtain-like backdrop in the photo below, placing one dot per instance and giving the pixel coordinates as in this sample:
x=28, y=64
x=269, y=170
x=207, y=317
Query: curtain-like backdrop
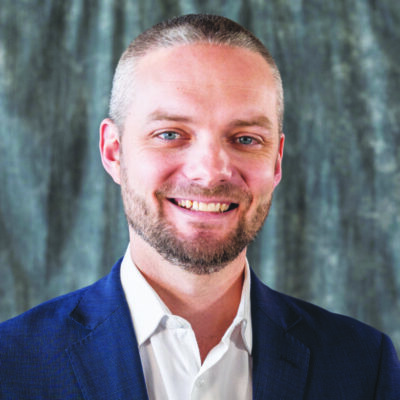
x=333, y=235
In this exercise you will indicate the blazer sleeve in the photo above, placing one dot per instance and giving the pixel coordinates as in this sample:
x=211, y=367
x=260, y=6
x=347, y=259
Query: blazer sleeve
x=388, y=383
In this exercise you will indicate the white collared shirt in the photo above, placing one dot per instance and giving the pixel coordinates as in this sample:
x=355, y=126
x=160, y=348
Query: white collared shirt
x=169, y=352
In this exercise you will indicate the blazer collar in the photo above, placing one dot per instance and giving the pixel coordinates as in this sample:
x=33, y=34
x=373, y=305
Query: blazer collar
x=280, y=361
x=107, y=362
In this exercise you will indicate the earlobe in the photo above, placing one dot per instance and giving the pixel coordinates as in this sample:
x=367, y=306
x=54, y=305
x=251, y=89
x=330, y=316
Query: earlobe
x=278, y=164
x=110, y=149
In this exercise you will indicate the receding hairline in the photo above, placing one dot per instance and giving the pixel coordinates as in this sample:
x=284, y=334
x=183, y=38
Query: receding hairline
x=185, y=30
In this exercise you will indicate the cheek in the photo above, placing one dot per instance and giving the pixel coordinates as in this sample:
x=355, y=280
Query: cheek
x=147, y=172
x=260, y=180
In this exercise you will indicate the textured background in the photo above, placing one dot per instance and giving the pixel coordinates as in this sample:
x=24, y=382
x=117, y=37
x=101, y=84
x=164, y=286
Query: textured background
x=333, y=236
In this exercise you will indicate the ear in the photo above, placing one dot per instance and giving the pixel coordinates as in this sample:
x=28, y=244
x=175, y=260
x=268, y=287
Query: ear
x=278, y=164
x=110, y=149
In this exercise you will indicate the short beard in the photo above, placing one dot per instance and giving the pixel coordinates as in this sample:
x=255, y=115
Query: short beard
x=201, y=256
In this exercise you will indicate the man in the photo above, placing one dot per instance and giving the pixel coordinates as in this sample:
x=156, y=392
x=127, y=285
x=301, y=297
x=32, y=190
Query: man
x=195, y=140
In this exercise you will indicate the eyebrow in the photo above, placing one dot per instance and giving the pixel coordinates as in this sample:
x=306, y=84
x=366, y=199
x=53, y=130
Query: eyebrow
x=160, y=115
x=260, y=120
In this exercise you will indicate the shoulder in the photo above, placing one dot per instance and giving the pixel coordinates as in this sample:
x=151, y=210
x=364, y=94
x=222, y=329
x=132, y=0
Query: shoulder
x=344, y=353
x=32, y=349
x=48, y=322
x=64, y=313
x=319, y=319
x=34, y=358
x=325, y=333
x=309, y=320
x=65, y=319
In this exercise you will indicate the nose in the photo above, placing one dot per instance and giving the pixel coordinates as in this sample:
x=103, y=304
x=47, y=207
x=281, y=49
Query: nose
x=208, y=162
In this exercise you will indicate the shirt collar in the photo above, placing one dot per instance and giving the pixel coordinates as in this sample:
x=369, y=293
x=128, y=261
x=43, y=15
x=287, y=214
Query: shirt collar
x=146, y=307
x=243, y=316
x=148, y=311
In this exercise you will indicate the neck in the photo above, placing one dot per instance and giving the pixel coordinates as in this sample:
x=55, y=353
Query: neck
x=208, y=302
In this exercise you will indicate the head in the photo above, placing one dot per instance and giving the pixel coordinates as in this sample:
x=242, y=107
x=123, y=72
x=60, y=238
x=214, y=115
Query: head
x=195, y=139
x=186, y=29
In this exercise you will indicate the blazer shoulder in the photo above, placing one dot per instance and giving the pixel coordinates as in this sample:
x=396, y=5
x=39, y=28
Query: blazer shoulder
x=333, y=325
x=43, y=320
x=34, y=357
x=296, y=314
x=345, y=354
x=327, y=333
x=58, y=313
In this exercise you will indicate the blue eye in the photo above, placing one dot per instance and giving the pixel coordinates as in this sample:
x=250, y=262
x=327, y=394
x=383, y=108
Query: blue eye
x=245, y=140
x=169, y=135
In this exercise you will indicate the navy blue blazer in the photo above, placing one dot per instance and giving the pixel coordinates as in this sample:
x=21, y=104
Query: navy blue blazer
x=83, y=346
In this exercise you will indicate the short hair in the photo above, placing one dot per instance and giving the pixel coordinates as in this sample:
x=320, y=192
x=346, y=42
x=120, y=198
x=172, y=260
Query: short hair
x=186, y=29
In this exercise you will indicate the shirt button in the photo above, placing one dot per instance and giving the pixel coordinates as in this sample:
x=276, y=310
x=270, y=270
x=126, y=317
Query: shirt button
x=200, y=382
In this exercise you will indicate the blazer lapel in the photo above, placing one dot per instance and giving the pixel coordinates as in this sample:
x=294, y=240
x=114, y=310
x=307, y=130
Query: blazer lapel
x=106, y=362
x=280, y=361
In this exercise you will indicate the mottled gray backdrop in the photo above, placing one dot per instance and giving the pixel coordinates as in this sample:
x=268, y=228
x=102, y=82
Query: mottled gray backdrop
x=333, y=236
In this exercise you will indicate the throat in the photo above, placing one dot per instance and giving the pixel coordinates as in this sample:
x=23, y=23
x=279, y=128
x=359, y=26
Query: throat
x=207, y=342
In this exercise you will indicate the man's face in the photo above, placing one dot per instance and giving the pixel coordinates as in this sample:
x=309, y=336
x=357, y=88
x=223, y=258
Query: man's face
x=200, y=153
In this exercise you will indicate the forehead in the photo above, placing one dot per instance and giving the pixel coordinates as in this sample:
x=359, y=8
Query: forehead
x=204, y=77
x=196, y=59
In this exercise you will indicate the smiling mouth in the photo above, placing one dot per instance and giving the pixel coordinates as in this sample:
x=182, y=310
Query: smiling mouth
x=213, y=207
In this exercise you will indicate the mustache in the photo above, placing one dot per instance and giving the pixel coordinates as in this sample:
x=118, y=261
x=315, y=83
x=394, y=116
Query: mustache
x=224, y=190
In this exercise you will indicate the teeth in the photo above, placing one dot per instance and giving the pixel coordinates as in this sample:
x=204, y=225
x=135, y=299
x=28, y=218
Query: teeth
x=224, y=207
x=212, y=207
x=203, y=207
x=200, y=206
